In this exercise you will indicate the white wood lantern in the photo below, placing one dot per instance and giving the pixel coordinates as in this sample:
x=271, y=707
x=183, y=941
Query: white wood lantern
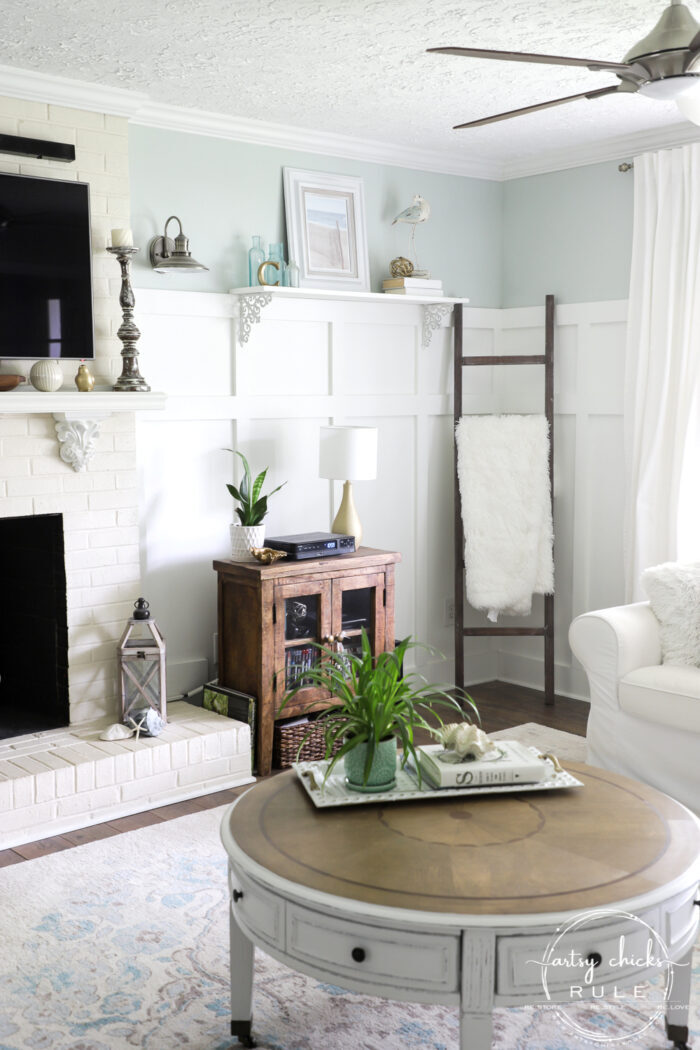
x=142, y=668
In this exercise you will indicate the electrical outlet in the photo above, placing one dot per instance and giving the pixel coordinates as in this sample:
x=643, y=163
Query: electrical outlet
x=449, y=612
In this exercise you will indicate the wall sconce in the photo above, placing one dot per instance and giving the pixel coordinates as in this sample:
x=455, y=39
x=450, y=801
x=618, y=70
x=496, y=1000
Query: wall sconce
x=348, y=453
x=168, y=256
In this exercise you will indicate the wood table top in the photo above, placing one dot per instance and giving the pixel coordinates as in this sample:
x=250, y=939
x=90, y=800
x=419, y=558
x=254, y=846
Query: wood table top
x=522, y=853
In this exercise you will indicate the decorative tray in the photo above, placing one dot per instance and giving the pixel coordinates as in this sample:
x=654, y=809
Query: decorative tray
x=336, y=793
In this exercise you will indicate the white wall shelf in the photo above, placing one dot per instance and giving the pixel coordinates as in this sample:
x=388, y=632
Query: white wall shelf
x=85, y=404
x=251, y=301
x=78, y=415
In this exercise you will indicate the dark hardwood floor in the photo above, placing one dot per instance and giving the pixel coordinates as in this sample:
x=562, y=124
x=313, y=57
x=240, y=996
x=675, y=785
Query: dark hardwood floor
x=500, y=706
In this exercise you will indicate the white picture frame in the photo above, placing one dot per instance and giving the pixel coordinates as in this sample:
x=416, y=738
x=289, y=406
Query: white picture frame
x=326, y=229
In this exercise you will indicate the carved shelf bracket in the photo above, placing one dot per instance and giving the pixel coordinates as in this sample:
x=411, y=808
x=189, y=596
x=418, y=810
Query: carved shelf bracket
x=250, y=307
x=77, y=440
x=433, y=313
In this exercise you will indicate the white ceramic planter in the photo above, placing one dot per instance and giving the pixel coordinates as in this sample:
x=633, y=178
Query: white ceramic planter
x=46, y=375
x=243, y=537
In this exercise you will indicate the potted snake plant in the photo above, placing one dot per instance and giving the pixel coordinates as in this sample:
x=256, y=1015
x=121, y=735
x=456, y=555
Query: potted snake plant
x=249, y=530
x=376, y=705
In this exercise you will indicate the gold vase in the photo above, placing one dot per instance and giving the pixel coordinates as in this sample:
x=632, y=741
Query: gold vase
x=84, y=379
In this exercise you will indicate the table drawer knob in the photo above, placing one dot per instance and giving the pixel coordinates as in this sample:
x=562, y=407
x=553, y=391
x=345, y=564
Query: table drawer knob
x=237, y=894
x=595, y=958
x=358, y=954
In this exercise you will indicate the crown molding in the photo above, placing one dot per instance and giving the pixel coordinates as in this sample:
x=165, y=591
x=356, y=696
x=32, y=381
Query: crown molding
x=621, y=147
x=140, y=109
x=264, y=133
x=62, y=91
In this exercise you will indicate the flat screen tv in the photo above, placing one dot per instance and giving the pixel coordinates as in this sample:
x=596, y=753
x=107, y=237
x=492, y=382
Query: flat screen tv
x=45, y=268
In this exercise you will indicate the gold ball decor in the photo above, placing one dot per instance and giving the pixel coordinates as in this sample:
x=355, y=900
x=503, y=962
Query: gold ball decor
x=401, y=267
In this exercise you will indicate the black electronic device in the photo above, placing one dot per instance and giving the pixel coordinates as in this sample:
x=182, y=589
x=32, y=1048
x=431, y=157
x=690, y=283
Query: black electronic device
x=45, y=268
x=312, y=545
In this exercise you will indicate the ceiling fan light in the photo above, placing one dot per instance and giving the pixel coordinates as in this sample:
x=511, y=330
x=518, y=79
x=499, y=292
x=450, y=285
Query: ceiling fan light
x=689, y=105
x=666, y=88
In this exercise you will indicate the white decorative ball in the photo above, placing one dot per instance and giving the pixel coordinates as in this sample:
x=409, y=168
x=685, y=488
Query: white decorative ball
x=46, y=375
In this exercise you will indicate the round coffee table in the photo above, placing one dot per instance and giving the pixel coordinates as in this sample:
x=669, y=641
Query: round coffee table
x=460, y=900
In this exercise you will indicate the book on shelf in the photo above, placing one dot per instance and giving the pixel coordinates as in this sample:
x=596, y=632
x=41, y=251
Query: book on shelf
x=511, y=763
x=411, y=282
x=424, y=293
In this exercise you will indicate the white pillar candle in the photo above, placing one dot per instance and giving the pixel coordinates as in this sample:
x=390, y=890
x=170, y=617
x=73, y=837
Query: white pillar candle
x=122, y=239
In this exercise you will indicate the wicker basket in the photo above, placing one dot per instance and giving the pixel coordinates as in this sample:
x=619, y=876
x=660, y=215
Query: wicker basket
x=288, y=737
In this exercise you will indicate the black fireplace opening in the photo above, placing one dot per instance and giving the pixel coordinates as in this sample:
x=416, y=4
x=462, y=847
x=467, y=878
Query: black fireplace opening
x=33, y=626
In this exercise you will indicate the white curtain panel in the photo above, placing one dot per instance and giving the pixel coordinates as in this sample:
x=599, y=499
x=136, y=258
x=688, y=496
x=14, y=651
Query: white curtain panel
x=662, y=519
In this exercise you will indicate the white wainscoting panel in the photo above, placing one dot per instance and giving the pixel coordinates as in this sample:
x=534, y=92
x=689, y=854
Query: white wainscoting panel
x=309, y=363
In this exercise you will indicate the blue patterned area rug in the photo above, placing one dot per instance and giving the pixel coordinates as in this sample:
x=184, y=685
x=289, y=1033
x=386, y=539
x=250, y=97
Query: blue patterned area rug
x=124, y=943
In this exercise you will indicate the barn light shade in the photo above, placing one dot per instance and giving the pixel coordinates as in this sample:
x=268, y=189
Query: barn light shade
x=142, y=672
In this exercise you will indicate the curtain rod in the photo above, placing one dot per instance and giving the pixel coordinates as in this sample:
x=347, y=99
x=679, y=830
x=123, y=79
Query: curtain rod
x=627, y=166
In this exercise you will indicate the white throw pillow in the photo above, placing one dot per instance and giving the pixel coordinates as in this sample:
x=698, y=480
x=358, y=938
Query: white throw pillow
x=674, y=596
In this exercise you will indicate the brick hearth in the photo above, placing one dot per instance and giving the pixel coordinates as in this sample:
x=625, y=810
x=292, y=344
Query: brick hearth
x=64, y=779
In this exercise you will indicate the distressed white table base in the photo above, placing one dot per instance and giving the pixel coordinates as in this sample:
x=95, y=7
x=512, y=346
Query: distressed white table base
x=305, y=930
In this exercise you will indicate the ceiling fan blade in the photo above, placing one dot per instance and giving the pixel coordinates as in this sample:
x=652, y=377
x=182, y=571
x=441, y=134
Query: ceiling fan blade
x=598, y=93
x=695, y=42
x=523, y=56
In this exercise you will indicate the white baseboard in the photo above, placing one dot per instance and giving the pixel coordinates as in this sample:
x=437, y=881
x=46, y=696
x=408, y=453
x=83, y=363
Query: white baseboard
x=528, y=671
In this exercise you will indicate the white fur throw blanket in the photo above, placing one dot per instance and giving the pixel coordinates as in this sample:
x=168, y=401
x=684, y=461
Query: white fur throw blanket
x=502, y=466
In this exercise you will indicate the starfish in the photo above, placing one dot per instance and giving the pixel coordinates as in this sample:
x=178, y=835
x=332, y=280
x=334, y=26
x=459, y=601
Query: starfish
x=139, y=727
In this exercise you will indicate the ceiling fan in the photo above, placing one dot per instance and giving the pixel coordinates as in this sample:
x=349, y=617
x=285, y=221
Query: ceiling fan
x=664, y=65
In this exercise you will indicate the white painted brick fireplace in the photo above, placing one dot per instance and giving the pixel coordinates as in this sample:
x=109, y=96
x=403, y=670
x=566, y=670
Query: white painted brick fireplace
x=68, y=778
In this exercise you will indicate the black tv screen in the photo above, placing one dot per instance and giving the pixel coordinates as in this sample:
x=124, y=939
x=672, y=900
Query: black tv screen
x=45, y=268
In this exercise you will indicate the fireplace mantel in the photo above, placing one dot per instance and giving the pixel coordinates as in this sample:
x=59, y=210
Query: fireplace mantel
x=78, y=415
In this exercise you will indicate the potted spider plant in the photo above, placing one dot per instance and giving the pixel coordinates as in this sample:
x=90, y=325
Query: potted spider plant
x=377, y=706
x=249, y=531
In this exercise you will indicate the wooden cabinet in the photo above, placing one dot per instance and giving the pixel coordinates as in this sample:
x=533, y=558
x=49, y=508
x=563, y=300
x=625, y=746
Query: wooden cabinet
x=270, y=616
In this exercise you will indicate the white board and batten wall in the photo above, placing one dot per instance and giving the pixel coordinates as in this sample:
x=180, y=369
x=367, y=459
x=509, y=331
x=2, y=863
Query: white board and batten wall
x=309, y=363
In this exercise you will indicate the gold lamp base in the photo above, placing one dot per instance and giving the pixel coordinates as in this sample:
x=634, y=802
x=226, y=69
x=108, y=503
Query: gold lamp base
x=346, y=521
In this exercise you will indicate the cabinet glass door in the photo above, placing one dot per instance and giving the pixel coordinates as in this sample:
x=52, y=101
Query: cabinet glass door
x=358, y=604
x=302, y=622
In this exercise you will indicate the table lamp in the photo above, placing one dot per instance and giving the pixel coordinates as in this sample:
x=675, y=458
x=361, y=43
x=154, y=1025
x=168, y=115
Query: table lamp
x=348, y=454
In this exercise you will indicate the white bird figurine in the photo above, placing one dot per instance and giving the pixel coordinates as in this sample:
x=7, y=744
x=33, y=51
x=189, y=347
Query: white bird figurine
x=417, y=212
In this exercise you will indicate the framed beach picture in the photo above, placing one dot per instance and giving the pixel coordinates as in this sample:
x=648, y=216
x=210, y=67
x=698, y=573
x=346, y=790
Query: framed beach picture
x=326, y=232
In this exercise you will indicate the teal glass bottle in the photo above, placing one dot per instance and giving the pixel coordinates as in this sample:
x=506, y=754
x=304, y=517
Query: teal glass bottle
x=274, y=274
x=256, y=255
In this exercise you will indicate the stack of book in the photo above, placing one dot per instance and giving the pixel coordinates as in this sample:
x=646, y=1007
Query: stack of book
x=510, y=763
x=423, y=286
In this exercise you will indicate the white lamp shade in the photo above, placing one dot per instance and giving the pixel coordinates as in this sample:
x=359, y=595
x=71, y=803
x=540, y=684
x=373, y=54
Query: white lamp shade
x=348, y=453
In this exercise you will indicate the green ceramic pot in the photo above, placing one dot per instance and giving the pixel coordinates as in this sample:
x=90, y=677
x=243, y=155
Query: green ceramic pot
x=382, y=774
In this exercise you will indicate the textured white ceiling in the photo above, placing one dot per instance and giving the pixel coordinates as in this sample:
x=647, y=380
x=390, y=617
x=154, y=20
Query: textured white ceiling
x=354, y=67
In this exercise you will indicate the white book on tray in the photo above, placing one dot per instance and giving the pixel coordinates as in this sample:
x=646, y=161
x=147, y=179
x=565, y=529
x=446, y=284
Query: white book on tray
x=510, y=763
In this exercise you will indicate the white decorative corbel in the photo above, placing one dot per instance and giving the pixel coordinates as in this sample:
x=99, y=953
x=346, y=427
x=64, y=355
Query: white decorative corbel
x=433, y=314
x=249, y=307
x=77, y=439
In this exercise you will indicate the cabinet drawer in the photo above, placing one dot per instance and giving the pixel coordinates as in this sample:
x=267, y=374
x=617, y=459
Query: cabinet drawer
x=258, y=910
x=518, y=959
x=385, y=958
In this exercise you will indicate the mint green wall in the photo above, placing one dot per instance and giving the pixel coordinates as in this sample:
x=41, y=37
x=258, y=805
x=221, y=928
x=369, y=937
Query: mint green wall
x=568, y=233
x=225, y=191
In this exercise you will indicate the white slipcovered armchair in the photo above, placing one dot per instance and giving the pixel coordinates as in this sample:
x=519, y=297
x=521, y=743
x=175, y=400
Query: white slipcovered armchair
x=645, y=716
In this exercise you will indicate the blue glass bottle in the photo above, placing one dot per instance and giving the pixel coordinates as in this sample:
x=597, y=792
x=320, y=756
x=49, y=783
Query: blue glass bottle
x=256, y=255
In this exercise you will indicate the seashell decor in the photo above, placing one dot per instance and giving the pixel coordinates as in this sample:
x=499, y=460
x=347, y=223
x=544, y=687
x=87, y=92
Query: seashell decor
x=464, y=740
x=267, y=555
x=116, y=732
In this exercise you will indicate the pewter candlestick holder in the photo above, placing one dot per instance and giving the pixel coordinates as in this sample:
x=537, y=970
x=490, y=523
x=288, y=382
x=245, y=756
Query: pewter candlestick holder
x=131, y=378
